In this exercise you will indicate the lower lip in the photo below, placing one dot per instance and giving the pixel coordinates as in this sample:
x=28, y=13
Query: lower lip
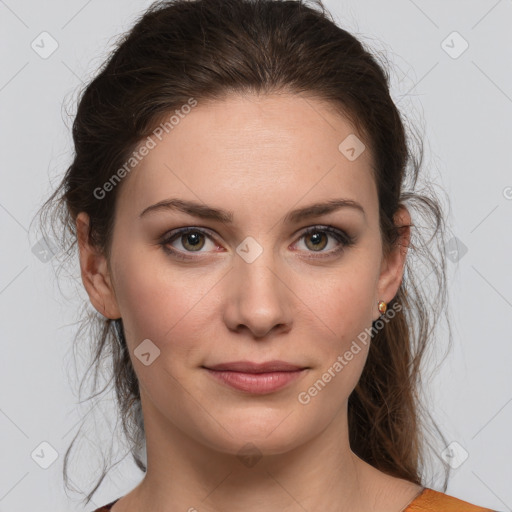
x=257, y=383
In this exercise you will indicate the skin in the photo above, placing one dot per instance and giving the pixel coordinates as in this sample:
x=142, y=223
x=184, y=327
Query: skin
x=259, y=157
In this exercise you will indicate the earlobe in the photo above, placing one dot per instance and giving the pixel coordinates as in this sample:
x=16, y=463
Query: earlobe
x=393, y=265
x=94, y=271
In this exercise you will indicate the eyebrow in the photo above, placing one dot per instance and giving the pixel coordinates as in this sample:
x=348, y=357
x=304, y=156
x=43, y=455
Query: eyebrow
x=207, y=212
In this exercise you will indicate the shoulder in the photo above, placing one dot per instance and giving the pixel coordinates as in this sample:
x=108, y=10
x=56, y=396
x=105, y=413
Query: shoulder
x=430, y=500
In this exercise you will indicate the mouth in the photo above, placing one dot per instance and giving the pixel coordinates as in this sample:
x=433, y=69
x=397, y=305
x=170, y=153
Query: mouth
x=256, y=378
x=250, y=367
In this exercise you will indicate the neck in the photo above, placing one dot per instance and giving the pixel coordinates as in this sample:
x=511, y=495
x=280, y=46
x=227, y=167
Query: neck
x=184, y=474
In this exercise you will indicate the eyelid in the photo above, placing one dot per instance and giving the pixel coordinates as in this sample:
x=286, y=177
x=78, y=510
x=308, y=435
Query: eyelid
x=343, y=238
x=174, y=234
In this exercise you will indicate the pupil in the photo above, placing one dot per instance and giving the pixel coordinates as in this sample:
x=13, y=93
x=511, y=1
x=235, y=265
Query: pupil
x=316, y=239
x=193, y=240
x=192, y=236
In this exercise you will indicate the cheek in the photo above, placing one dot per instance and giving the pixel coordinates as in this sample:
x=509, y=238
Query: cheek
x=341, y=303
x=341, y=309
x=155, y=302
x=341, y=353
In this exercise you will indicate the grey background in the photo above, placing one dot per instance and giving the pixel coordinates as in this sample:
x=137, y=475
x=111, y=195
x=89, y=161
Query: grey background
x=465, y=104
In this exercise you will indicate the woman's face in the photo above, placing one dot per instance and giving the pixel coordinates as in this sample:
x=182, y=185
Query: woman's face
x=255, y=288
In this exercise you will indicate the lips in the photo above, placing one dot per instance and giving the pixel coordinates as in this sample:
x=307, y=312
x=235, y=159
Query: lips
x=250, y=367
x=256, y=378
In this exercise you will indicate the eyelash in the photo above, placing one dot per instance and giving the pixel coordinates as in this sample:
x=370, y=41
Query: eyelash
x=343, y=238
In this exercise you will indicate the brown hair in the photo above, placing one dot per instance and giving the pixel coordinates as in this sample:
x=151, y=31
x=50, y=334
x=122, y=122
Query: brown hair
x=207, y=49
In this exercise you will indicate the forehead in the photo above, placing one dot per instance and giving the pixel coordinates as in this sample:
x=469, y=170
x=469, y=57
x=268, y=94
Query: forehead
x=249, y=149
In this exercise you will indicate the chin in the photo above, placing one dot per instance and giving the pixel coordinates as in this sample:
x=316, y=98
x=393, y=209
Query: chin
x=258, y=434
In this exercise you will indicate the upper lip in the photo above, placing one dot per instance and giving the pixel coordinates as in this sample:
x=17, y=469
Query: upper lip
x=250, y=367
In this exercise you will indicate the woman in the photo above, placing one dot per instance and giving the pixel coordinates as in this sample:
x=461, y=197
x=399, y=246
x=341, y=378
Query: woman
x=238, y=198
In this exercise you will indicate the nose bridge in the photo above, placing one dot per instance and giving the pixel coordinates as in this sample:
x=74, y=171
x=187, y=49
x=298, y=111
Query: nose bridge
x=260, y=295
x=257, y=265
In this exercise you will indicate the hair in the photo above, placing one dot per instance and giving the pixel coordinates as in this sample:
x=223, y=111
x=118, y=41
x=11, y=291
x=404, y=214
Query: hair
x=207, y=50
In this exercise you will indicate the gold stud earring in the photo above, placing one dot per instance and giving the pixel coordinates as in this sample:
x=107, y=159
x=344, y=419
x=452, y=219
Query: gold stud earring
x=382, y=306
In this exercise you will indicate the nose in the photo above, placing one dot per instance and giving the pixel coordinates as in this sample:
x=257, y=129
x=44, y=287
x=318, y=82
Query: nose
x=258, y=299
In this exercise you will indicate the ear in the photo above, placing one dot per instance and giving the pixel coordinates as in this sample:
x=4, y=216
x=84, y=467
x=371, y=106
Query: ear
x=95, y=273
x=392, y=267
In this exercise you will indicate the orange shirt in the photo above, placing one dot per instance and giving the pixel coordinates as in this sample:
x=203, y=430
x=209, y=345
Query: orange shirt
x=427, y=501
x=434, y=501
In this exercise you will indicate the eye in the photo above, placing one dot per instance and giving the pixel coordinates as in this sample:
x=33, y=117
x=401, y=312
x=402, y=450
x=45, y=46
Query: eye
x=316, y=239
x=192, y=240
